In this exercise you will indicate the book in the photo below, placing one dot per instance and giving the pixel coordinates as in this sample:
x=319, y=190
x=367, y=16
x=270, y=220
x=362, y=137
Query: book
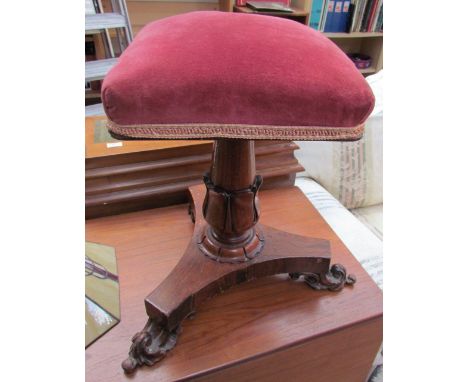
x=365, y=18
x=329, y=17
x=379, y=26
x=347, y=16
x=242, y=3
x=376, y=16
x=337, y=16
x=362, y=6
x=349, y=22
x=269, y=6
x=372, y=15
x=343, y=25
x=323, y=17
x=316, y=13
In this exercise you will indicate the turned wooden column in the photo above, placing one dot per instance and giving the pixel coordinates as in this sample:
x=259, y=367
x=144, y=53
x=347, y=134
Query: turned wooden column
x=231, y=203
x=233, y=164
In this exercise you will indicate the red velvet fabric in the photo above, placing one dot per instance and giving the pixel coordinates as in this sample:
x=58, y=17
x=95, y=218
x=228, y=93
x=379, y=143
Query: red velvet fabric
x=235, y=69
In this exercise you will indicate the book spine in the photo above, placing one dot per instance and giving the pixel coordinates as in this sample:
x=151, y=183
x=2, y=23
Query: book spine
x=324, y=15
x=352, y=15
x=361, y=15
x=377, y=17
x=366, y=16
x=329, y=17
x=345, y=12
x=316, y=13
x=284, y=2
x=338, y=16
x=379, y=27
x=372, y=15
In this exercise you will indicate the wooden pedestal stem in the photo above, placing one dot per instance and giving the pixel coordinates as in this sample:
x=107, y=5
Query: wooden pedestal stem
x=231, y=204
x=233, y=164
x=227, y=248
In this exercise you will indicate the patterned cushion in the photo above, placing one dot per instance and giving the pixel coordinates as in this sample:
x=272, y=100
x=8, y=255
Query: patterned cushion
x=233, y=75
x=365, y=246
x=371, y=217
x=351, y=171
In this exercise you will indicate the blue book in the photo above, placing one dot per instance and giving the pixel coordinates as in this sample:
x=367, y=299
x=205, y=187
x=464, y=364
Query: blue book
x=337, y=16
x=330, y=17
x=343, y=25
x=324, y=15
x=316, y=13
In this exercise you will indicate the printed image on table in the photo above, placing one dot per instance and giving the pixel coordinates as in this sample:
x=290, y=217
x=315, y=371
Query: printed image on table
x=102, y=304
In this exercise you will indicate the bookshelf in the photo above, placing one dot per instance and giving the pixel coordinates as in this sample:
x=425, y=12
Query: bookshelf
x=368, y=43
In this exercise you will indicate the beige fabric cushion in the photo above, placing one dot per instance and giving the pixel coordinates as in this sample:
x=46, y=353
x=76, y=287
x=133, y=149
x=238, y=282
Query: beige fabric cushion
x=365, y=246
x=364, y=243
x=372, y=218
x=350, y=171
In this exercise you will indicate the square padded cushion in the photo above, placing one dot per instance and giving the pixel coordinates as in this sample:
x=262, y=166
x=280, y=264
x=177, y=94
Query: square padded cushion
x=214, y=74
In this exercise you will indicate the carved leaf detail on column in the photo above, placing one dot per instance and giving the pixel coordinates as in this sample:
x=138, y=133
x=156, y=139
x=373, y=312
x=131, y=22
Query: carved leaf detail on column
x=226, y=219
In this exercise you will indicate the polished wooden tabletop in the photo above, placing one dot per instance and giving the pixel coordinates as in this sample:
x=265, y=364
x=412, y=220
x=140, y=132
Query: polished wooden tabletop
x=255, y=320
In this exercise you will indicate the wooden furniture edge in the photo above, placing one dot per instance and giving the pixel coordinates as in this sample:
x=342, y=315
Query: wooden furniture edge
x=284, y=348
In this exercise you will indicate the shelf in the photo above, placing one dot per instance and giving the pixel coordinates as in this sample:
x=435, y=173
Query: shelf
x=97, y=70
x=96, y=23
x=91, y=94
x=368, y=70
x=354, y=35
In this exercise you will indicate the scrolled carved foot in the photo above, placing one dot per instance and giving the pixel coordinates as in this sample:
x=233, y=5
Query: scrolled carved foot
x=149, y=346
x=334, y=280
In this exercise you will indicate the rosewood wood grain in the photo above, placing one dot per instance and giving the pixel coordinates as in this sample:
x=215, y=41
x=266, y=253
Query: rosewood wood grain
x=338, y=356
x=263, y=330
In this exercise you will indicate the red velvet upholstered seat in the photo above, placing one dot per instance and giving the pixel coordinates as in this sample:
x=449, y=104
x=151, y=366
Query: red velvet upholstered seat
x=233, y=75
